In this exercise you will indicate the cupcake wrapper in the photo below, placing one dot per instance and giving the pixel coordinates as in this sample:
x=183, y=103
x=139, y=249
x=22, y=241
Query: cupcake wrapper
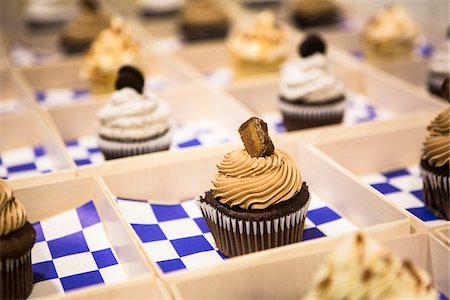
x=203, y=33
x=298, y=116
x=16, y=277
x=237, y=237
x=117, y=149
x=436, y=193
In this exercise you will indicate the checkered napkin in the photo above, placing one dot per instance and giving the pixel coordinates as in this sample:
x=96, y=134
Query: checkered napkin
x=404, y=187
x=12, y=105
x=176, y=236
x=423, y=49
x=24, y=161
x=22, y=54
x=72, y=251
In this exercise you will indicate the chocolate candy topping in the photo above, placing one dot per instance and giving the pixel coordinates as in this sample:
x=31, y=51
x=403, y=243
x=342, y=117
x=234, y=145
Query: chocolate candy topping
x=312, y=44
x=130, y=77
x=256, y=138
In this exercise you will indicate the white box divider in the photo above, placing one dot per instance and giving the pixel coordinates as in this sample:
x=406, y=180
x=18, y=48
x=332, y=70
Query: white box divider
x=13, y=96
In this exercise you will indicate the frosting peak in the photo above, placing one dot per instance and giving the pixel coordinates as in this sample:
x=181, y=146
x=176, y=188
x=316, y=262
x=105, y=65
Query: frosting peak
x=12, y=212
x=256, y=182
x=436, y=148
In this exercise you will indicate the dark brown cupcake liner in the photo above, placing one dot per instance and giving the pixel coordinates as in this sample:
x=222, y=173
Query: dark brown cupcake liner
x=16, y=277
x=198, y=33
x=331, y=17
x=237, y=237
x=298, y=116
x=436, y=193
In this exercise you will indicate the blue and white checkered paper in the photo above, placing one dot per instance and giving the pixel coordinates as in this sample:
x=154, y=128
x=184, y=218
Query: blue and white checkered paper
x=72, y=251
x=404, y=187
x=85, y=150
x=176, y=237
x=10, y=105
x=24, y=161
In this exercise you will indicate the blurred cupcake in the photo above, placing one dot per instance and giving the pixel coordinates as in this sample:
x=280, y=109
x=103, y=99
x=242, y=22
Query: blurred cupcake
x=133, y=123
x=202, y=20
x=258, y=4
x=361, y=268
x=113, y=48
x=308, y=13
x=392, y=33
x=159, y=8
x=79, y=34
x=258, y=200
x=310, y=94
x=45, y=13
x=439, y=67
x=434, y=163
x=260, y=48
x=17, y=238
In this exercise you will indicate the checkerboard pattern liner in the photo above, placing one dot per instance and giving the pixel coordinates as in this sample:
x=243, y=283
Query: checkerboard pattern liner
x=176, y=236
x=404, y=187
x=85, y=150
x=72, y=251
x=24, y=161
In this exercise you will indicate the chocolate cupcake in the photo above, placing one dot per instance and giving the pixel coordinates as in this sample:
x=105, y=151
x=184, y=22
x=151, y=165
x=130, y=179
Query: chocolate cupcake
x=434, y=164
x=203, y=20
x=258, y=200
x=158, y=8
x=309, y=13
x=310, y=94
x=17, y=238
x=439, y=67
x=133, y=123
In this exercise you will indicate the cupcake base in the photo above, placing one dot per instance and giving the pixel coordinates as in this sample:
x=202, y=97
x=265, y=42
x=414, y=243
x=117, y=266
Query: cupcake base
x=238, y=231
x=386, y=51
x=434, y=83
x=71, y=46
x=436, y=188
x=243, y=68
x=194, y=33
x=16, y=280
x=301, y=115
x=330, y=17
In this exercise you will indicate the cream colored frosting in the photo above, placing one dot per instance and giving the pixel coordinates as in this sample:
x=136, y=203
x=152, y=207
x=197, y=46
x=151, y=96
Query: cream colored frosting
x=87, y=25
x=361, y=269
x=134, y=116
x=440, y=61
x=309, y=78
x=392, y=23
x=256, y=182
x=12, y=212
x=203, y=12
x=436, y=148
x=266, y=41
x=113, y=48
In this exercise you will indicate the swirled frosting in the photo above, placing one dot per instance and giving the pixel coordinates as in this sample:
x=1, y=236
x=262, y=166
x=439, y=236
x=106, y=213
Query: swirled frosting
x=203, y=12
x=362, y=269
x=440, y=62
x=256, y=182
x=436, y=148
x=266, y=41
x=113, y=48
x=309, y=78
x=314, y=8
x=12, y=212
x=130, y=115
x=87, y=25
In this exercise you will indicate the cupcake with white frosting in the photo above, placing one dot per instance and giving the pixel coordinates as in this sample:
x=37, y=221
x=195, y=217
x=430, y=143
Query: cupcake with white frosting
x=310, y=94
x=133, y=123
x=439, y=67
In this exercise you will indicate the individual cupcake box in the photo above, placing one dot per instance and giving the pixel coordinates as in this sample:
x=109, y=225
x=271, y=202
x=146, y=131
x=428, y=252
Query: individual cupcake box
x=81, y=240
x=30, y=150
x=399, y=178
x=13, y=97
x=289, y=274
x=443, y=233
x=173, y=233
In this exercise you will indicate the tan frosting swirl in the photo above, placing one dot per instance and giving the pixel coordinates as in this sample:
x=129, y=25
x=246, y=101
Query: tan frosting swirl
x=256, y=182
x=12, y=212
x=436, y=148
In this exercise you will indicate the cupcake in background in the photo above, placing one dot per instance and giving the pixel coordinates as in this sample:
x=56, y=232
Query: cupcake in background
x=48, y=13
x=361, y=268
x=259, y=48
x=392, y=33
x=258, y=4
x=310, y=94
x=112, y=48
x=309, y=13
x=159, y=8
x=203, y=20
x=133, y=123
x=439, y=67
x=255, y=190
x=17, y=238
x=434, y=164
x=79, y=34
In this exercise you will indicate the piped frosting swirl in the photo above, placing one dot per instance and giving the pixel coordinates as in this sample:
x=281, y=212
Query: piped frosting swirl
x=436, y=148
x=256, y=182
x=12, y=212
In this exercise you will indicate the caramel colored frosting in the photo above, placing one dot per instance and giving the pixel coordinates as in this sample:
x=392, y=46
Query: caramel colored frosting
x=436, y=148
x=266, y=41
x=314, y=7
x=203, y=12
x=87, y=25
x=12, y=212
x=256, y=182
x=362, y=269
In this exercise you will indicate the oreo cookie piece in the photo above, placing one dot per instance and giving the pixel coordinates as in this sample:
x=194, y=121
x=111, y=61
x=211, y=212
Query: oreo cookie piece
x=130, y=77
x=312, y=44
x=445, y=89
